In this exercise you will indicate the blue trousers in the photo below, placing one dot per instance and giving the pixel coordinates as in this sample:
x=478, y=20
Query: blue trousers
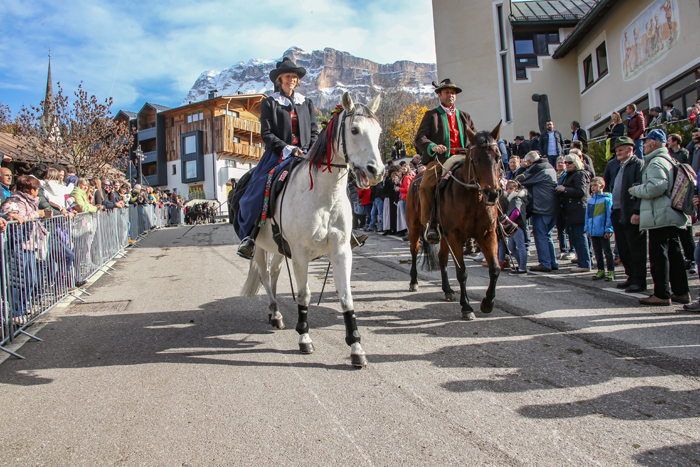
x=580, y=243
x=639, y=148
x=516, y=245
x=542, y=227
x=377, y=213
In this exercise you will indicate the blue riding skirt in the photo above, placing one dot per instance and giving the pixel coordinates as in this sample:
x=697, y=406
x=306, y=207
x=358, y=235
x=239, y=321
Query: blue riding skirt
x=251, y=203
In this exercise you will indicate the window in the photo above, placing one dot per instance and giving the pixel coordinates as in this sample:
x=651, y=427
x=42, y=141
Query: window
x=588, y=71
x=191, y=169
x=231, y=113
x=683, y=92
x=602, y=56
x=195, y=117
x=174, y=169
x=529, y=46
x=149, y=169
x=236, y=139
x=506, y=87
x=501, y=30
x=190, y=144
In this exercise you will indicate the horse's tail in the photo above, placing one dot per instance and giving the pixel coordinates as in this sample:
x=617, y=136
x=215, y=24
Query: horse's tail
x=429, y=254
x=252, y=283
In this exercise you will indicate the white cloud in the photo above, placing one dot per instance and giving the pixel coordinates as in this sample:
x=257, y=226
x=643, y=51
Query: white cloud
x=155, y=51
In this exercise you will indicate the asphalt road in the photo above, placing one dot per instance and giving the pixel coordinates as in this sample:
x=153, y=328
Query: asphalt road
x=167, y=365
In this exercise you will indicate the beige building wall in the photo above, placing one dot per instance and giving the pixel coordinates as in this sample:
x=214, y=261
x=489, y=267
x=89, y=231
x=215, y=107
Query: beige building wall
x=611, y=92
x=468, y=52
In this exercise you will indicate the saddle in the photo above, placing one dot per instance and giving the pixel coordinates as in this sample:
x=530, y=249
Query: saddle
x=446, y=178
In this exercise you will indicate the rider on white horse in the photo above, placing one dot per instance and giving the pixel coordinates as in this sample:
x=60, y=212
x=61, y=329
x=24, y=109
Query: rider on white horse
x=288, y=127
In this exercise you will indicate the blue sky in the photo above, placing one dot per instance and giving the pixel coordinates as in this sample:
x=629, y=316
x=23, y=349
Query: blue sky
x=154, y=51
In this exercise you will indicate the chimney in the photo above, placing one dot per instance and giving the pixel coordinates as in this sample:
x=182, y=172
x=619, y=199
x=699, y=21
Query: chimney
x=212, y=94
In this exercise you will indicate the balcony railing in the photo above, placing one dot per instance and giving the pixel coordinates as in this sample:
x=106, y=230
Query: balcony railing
x=245, y=150
x=148, y=133
x=151, y=180
x=149, y=156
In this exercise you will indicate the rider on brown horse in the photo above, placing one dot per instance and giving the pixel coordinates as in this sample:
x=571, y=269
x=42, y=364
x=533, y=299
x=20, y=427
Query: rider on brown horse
x=441, y=134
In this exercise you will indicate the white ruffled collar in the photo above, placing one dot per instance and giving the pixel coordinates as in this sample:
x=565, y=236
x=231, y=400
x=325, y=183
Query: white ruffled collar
x=283, y=100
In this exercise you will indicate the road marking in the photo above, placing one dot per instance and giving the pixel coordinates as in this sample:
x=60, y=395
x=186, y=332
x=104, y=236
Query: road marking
x=622, y=292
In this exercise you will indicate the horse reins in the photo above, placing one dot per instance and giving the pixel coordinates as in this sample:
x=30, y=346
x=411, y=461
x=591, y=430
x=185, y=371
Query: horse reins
x=472, y=169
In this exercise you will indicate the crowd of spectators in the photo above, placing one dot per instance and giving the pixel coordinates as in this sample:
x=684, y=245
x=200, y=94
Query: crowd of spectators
x=41, y=254
x=603, y=221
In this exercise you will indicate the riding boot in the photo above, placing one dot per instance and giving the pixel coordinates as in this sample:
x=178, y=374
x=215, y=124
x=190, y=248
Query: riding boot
x=246, y=249
x=427, y=198
x=358, y=241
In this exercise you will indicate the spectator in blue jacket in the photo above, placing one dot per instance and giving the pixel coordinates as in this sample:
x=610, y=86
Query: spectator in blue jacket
x=599, y=228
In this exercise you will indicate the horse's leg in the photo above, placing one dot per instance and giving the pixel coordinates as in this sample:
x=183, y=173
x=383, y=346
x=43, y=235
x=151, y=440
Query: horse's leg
x=414, y=240
x=301, y=272
x=489, y=246
x=461, y=268
x=342, y=266
x=444, y=256
x=275, y=267
x=274, y=316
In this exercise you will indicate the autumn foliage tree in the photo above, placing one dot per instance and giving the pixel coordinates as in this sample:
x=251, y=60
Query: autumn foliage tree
x=406, y=126
x=80, y=132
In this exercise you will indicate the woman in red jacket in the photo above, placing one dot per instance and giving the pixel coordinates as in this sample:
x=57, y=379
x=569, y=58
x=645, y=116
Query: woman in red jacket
x=366, y=202
x=408, y=176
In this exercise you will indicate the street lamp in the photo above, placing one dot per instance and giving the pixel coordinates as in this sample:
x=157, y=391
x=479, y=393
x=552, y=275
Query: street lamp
x=140, y=157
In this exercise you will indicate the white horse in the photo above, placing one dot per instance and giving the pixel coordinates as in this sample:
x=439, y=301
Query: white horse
x=317, y=221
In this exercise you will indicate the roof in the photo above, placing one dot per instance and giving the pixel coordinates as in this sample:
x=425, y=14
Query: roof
x=550, y=12
x=158, y=107
x=12, y=146
x=128, y=113
x=584, y=27
x=222, y=99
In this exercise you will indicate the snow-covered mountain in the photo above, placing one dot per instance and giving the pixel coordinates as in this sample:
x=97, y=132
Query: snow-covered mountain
x=329, y=73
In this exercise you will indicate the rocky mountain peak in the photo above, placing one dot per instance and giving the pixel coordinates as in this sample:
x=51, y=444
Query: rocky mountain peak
x=330, y=73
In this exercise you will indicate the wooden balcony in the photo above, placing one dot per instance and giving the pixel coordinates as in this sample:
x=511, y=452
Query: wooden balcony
x=244, y=151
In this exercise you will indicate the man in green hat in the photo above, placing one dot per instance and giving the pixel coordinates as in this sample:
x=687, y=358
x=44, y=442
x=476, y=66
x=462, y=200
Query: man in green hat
x=441, y=130
x=630, y=240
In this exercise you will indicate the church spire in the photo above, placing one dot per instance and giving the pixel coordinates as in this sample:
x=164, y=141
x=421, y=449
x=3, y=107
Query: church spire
x=47, y=119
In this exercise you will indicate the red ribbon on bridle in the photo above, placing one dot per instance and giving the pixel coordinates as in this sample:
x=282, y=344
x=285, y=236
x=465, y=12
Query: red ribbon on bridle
x=329, y=148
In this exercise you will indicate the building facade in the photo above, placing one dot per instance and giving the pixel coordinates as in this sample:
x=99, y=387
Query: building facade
x=590, y=57
x=198, y=148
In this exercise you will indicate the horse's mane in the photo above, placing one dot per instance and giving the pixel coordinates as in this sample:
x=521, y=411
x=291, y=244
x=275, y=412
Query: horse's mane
x=319, y=151
x=482, y=138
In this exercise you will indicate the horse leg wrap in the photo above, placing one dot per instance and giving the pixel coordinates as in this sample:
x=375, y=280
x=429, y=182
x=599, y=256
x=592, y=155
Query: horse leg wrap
x=302, y=325
x=352, y=335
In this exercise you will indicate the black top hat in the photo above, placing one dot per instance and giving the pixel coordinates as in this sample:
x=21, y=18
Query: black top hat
x=446, y=84
x=286, y=66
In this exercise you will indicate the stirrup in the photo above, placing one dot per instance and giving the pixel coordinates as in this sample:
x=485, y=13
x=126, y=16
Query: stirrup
x=358, y=241
x=246, y=249
x=431, y=240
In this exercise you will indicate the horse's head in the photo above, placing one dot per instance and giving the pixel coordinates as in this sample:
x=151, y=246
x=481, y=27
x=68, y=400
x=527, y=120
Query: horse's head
x=485, y=162
x=359, y=141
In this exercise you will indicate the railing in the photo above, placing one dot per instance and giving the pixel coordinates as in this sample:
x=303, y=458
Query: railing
x=43, y=262
x=148, y=133
x=149, y=156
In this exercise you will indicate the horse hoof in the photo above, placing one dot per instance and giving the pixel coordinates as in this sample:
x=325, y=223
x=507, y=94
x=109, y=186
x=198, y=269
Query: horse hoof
x=306, y=348
x=277, y=323
x=468, y=316
x=450, y=296
x=358, y=361
x=486, y=307
x=413, y=288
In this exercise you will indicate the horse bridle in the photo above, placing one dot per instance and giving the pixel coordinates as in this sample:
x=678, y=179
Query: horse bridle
x=472, y=174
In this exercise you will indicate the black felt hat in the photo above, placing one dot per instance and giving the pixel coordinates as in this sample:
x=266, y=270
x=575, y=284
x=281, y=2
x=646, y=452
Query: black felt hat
x=446, y=84
x=287, y=66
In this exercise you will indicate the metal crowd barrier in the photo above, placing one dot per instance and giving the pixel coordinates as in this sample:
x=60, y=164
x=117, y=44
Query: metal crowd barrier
x=44, y=261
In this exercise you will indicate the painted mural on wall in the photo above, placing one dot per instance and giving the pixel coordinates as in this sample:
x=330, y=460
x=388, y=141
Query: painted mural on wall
x=649, y=37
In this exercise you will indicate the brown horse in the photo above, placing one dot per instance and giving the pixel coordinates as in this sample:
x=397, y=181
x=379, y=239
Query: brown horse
x=466, y=209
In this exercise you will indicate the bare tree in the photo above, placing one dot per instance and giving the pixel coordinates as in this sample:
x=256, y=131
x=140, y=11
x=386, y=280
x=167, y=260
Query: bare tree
x=81, y=133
